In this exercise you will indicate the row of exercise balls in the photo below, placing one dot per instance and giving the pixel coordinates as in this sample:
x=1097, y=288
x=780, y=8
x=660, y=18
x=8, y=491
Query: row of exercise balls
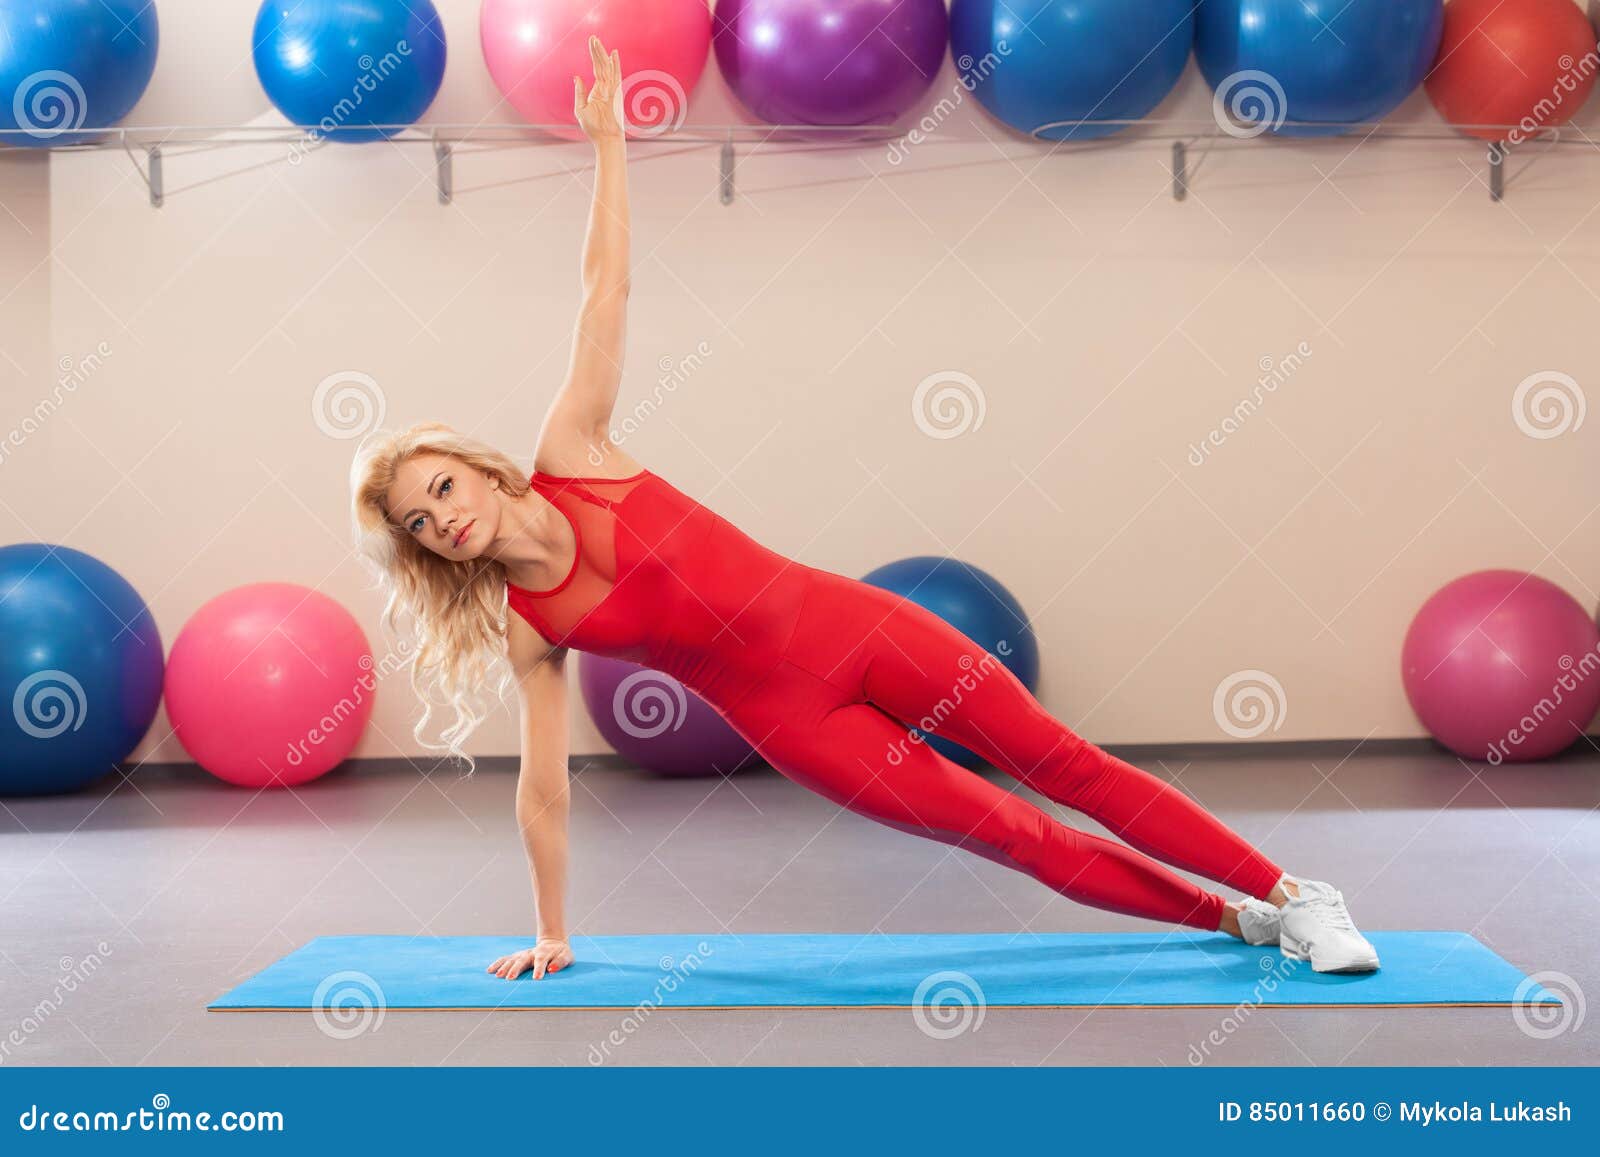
x=658, y=724
x=264, y=683
x=1298, y=69
x=1047, y=66
x=332, y=65
x=268, y=684
x=339, y=67
x=1040, y=66
x=1503, y=666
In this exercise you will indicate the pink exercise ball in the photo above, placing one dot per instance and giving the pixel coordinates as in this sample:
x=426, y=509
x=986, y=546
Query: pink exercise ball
x=1503, y=666
x=270, y=685
x=535, y=47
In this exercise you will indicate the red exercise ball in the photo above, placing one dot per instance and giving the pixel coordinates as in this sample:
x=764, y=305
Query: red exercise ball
x=1503, y=666
x=270, y=685
x=1529, y=63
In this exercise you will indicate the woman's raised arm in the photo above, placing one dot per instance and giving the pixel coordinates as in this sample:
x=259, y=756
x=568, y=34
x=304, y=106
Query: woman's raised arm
x=575, y=435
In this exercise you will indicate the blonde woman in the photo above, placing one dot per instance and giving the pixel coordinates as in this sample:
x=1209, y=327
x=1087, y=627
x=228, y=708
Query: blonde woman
x=821, y=673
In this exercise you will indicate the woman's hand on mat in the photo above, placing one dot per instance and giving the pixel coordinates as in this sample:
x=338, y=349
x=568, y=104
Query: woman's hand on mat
x=599, y=112
x=550, y=954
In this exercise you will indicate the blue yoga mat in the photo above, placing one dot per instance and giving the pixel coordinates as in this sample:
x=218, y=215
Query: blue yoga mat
x=875, y=970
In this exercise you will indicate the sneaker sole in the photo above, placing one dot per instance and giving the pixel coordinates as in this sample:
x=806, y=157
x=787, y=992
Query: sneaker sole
x=1297, y=950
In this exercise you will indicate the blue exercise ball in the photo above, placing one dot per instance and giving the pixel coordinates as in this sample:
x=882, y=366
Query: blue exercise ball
x=975, y=603
x=80, y=669
x=1332, y=62
x=1033, y=63
x=338, y=67
x=69, y=66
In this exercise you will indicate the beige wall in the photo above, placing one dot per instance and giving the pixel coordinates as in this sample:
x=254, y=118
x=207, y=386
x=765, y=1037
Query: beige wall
x=26, y=374
x=1107, y=327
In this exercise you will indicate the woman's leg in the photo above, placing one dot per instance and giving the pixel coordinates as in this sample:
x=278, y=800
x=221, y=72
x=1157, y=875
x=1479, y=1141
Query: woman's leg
x=862, y=759
x=927, y=674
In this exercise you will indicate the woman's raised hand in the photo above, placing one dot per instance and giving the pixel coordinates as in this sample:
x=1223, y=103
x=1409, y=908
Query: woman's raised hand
x=599, y=112
x=550, y=954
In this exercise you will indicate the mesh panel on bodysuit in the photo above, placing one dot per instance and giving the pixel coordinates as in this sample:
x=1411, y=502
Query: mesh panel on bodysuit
x=587, y=504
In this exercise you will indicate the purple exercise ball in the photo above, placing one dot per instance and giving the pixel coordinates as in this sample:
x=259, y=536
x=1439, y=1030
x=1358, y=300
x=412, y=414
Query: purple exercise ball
x=829, y=62
x=657, y=722
x=1503, y=666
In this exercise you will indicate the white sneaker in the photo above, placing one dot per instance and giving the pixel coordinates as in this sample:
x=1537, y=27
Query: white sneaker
x=1316, y=926
x=1259, y=921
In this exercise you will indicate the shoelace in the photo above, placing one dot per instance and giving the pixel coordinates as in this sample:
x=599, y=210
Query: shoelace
x=1332, y=910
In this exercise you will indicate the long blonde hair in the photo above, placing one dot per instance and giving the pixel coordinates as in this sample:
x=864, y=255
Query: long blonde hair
x=455, y=612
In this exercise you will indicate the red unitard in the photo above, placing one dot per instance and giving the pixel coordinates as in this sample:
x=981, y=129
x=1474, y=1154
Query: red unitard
x=828, y=676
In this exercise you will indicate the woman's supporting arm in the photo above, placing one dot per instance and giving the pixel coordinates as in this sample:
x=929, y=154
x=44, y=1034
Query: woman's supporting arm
x=544, y=799
x=575, y=434
x=544, y=795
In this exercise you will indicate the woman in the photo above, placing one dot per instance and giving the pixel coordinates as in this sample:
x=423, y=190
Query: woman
x=819, y=672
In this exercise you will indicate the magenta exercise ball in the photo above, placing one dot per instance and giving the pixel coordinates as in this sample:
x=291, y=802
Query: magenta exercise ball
x=829, y=62
x=658, y=723
x=270, y=685
x=1503, y=666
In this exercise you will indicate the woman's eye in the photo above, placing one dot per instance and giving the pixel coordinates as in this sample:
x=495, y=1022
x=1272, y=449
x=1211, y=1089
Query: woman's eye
x=445, y=486
x=416, y=525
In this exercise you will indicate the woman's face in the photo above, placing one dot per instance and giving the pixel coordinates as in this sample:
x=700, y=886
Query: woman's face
x=449, y=507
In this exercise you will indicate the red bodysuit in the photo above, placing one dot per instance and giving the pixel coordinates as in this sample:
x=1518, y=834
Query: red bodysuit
x=826, y=676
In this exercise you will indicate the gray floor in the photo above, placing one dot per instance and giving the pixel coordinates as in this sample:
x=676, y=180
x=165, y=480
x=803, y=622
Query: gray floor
x=181, y=888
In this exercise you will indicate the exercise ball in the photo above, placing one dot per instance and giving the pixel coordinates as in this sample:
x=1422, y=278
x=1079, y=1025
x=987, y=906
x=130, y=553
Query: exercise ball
x=70, y=65
x=829, y=62
x=1529, y=63
x=976, y=604
x=80, y=669
x=1036, y=62
x=1503, y=666
x=535, y=47
x=338, y=67
x=657, y=722
x=1295, y=66
x=270, y=685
